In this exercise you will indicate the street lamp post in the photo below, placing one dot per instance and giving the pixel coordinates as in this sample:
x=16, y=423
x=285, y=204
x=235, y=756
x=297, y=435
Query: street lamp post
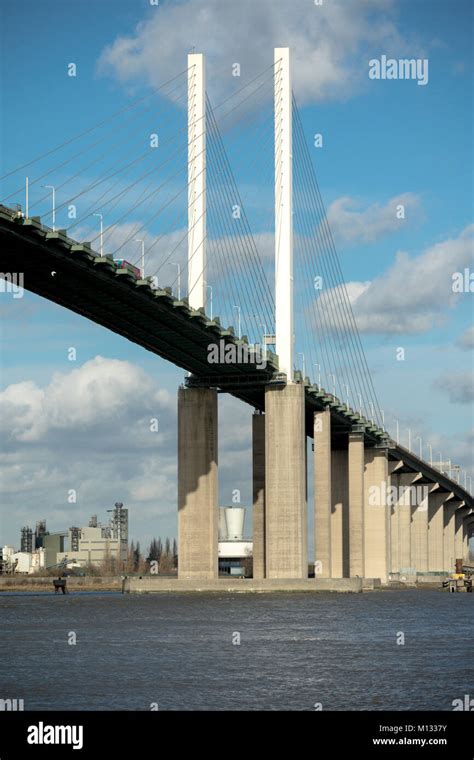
x=238, y=317
x=101, y=234
x=398, y=431
x=177, y=264
x=418, y=438
x=304, y=366
x=347, y=396
x=139, y=240
x=209, y=287
x=319, y=374
x=431, y=453
x=409, y=439
x=51, y=187
x=264, y=341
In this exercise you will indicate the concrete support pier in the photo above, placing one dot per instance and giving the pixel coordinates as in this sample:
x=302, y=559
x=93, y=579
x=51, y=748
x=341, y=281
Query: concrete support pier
x=449, y=533
x=258, y=495
x=435, y=532
x=339, y=515
x=285, y=483
x=377, y=515
x=197, y=484
x=459, y=516
x=419, y=531
x=356, y=504
x=401, y=520
x=322, y=494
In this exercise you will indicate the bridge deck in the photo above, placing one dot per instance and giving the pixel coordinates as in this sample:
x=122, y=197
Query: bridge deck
x=92, y=286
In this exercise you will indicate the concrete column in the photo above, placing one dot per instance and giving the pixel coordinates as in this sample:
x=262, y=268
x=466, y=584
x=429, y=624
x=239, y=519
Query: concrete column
x=459, y=516
x=322, y=493
x=286, y=549
x=258, y=490
x=339, y=515
x=449, y=532
x=419, y=529
x=356, y=504
x=435, y=532
x=376, y=515
x=466, y=522
x=401, y=522
x=197, y=483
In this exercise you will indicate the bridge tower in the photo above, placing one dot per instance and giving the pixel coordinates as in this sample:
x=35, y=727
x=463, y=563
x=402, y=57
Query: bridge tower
x=286, y=553
x=196, y=180
x=197, y=407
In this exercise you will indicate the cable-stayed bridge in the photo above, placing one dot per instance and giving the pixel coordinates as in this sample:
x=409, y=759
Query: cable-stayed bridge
x=158, y=243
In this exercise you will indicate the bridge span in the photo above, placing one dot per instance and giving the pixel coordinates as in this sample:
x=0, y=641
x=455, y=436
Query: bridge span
x=380, y=511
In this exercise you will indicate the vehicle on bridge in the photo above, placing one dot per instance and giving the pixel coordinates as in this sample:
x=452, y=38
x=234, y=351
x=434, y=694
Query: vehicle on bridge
x=128, y=267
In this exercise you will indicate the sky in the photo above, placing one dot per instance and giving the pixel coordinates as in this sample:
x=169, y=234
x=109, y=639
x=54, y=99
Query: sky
x=83, y=426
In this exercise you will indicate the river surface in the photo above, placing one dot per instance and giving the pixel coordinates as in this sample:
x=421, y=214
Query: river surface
x=180, y=651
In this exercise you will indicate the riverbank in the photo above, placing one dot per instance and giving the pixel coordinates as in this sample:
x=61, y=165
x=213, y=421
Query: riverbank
x=45, y=583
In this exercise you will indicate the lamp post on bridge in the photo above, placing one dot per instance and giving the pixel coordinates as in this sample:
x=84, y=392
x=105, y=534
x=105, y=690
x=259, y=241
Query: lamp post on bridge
x=418, y=438
x=383, y=417
x=347, y=396
x=440, y=461
x=333, y=385
x=140, y=240
x=262, y=324
x=360, y=404
x=177, y=264
x=51, y=187
x=319, y=374
x=304, y=366
x=398, y=431
x=209, y=287
x=431, y=453
x=239, y=328
x=371, y=412
x=101, y=234
x=409, y=439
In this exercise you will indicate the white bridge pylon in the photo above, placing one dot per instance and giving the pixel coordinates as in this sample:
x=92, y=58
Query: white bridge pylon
x=284, y=326
x=196, y=180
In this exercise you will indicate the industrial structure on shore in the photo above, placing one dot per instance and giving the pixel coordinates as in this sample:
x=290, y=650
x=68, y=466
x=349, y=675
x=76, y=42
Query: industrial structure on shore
x=78, y=547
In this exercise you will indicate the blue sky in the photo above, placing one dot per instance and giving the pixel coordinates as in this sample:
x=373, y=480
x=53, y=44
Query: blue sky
x=383, y=141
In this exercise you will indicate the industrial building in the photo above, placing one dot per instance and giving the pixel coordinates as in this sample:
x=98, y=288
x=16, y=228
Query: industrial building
x=233, y=549
x=97, y=543
x=93, y=544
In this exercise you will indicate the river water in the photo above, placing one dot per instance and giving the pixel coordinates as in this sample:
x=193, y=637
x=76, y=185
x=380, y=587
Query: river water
x=181, y=651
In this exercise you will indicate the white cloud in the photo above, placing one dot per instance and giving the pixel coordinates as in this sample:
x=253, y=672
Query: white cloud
x=466, y=340
x=458, y=385
x=350, y=223
x=331, y=43
x=412, y=296
x=97, y=393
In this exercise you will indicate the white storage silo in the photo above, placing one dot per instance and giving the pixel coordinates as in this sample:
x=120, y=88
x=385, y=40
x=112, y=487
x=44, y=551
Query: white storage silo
x=235, y=518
